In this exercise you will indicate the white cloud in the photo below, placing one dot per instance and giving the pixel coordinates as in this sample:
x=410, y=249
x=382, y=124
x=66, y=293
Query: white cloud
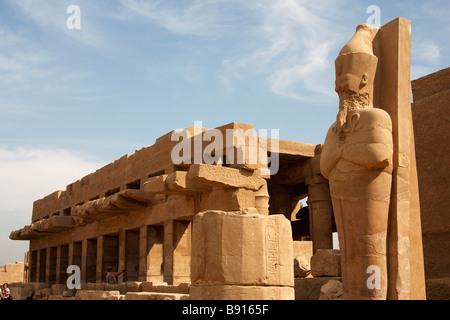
x=30, y=174
x=294, y=52
x=27, y=175
x=28, y=70
x=425, y=58
x=52, y=15
x=426, y=51
x=198, y=17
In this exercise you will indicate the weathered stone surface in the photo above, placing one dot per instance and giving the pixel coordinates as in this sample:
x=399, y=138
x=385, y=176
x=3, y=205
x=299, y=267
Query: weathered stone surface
x=58, y=289
x=178, y=182
x=236, y=249
x=133, y=286
x=332, y=290
x=302, y=267
x=226, y=292
x=309, y=288
x=155, y=296
x=438, y=289
x=67, y=294
x=21, y=291
x=228, y=199
x=156, y=185
x=431, y=84
x=226, y=177
x=431, y=118
x=165, y=288
x=12, y=272
x=303, y=249
x=97, y=295
x=60, y=298
x=326, y=263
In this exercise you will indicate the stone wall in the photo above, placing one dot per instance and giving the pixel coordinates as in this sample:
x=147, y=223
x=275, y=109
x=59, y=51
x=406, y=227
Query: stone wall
x=13, y=272
x=431, y=118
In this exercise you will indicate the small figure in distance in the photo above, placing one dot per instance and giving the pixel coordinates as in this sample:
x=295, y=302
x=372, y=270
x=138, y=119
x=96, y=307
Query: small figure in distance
x=5, y=292
x=112, y=277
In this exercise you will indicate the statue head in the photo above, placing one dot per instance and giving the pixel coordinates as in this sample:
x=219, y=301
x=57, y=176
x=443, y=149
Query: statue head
x=356, y=66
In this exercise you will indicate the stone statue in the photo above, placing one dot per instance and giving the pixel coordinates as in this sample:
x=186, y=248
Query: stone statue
x=357, y=161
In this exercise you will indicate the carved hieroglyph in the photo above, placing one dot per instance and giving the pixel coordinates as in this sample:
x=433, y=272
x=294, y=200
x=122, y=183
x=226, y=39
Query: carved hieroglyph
x=357, y=160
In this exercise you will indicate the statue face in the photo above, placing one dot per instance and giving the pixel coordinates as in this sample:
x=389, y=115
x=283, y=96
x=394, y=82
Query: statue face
x=348, y=82
x=355, y=73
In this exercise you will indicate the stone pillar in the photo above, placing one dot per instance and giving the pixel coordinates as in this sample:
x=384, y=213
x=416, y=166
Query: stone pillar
x=38, y=266
x=155, y=253
x=70, y=262
x=58, y=264
x=132, y=255
x=99, y=266
x=33, y=271
x=63, y=263
x=83, y=260
x=168, y=252
x=406, y=277
x=143, y=252
x=181, y=252
x=240, y=256
x=47, y=265
x=122, y=248
x=320, y=206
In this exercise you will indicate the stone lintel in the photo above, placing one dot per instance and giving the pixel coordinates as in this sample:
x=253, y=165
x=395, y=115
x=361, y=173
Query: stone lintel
x=218, y=176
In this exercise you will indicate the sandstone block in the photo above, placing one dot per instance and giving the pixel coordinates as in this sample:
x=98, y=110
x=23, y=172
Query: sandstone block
x=178, y=181
x=227, y=292
x=21, y=291
x=45, y=293
x=150, y=286
x=164, y=287
x=332, y=290
x=438, y=289
x=111, y=287
x=309, y=288
x=154, y=296
x=156, y=185
x=228, y=199
x=96, y=295
x=231, y=248
x=58, y=289
x=303, y=249
x=226, y=177
x=326, y=263
x=67, y=294
x=302, y=267
x=133, y=286
x=99, y=286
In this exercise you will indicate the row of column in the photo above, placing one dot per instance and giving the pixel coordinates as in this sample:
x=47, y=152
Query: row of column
x=149, y=253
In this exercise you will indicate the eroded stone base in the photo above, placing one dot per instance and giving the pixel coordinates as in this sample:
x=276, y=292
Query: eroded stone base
x=230, y=292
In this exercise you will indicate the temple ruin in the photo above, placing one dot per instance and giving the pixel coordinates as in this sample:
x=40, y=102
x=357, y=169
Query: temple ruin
x=228, y=221
x=137, y=214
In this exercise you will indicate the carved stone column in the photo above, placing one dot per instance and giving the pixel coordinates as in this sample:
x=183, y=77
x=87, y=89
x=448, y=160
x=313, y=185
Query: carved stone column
x=320, y=206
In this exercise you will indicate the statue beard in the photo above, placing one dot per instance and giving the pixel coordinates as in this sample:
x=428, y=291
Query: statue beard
x=350, y=101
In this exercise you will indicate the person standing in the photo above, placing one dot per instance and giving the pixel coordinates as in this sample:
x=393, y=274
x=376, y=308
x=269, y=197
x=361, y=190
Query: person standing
x=5, y=292
x=112, y=277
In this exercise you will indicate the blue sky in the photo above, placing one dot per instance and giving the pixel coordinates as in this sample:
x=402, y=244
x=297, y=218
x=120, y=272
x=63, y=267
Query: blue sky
x=72, y=101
